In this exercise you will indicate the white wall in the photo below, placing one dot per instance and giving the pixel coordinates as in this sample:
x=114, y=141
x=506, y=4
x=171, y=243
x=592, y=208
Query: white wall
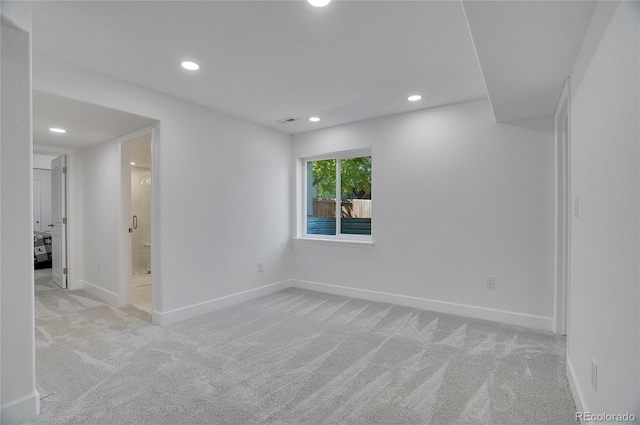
x=18, y=13
x=223, y=200
x=605, y=137
x=43, y=161
x=20, y=400
x=100, y=195
x=456, y=197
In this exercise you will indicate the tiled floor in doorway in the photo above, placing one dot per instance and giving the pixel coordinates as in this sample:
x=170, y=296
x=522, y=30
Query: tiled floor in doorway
x=141, y=292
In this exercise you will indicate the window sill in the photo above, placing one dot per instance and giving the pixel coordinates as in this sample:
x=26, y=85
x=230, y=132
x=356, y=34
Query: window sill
x=335, y=242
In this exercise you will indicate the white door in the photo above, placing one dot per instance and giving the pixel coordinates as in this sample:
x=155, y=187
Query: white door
x=36, y=205
x=58, y=216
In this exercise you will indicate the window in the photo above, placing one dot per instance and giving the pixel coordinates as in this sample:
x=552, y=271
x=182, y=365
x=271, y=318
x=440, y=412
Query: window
x=337, y=196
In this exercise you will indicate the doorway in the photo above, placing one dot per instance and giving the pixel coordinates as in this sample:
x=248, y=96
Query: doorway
x=50, y=216
x=137, y=194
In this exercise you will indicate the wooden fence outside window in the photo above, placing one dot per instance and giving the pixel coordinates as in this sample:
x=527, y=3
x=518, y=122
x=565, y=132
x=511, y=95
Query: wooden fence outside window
x=351, y=208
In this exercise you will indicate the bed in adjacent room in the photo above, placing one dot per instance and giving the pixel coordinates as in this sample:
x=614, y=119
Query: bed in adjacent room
x=42, y=250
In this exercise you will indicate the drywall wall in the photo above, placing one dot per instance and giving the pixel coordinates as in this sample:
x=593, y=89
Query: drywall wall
x=100, y=194
x=223, y=193
x=456, y=197
x=605, y=137
x=18, y=13
x=20, y=400
x=43, y=161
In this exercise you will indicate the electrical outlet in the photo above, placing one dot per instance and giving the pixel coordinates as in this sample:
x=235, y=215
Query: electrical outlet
x=260, y=267
x=98, y=268
x=491, y=282
x=594, y=375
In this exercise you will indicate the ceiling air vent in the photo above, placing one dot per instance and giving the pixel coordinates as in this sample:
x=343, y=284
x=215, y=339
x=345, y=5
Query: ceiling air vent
x=286, y=120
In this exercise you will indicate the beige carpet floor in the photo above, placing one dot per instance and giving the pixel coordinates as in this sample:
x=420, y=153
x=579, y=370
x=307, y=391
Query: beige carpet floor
x=293, y=357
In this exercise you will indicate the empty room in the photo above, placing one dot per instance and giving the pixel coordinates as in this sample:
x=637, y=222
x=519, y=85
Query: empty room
x=320, y=212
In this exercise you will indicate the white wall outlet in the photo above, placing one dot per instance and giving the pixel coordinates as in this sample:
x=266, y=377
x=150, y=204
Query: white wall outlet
x=594, y=375
x=98, y=268
x=260, y=267
x=491, y=282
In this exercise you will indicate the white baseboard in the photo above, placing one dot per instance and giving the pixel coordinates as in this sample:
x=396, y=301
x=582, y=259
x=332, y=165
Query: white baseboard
x=510, y=317
x=21, y=410
x=105, y=295
x=194, y=310
x=73, y=285
x=576, y=390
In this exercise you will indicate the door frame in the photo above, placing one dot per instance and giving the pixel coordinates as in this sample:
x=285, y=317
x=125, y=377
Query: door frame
x=74, y=255
x=124, y=238
x=562, y=216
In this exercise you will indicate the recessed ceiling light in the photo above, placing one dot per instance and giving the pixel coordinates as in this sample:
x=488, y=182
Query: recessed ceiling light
x=414, y=98
x=191, y=66
x=57, y=130
x=314, y=119
x=319, y=3
x=133, y=163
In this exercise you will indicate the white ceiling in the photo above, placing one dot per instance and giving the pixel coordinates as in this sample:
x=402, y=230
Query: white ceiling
x=349, y=61
x=85, y=124
x=526, y=50
x=268, y=60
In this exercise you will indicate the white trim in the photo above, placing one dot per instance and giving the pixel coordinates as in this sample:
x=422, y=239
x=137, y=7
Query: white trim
x=74, y=255
x=105, y=295
x=344, y=237
x=195, y=310
x=561, y=289
x=502, y=316
x=301, y=179
x=124, y=237
x=352, y=153
x=338, y=210
x=576, y=390
x=21, y=410
x=335, y=242
x=156, y=231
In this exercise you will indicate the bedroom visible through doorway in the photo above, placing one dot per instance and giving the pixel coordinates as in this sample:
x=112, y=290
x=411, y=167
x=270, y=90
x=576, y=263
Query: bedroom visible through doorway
x=49, y=216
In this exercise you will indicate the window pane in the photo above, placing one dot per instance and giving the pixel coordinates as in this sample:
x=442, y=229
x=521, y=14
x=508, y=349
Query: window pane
x=321, y=197
x=355, y=181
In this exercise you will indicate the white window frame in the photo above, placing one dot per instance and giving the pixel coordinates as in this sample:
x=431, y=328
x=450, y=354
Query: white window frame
x=301, y=233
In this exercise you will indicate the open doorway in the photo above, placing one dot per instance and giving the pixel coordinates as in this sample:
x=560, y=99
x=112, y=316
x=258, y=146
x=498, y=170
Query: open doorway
x=136, y=201
x=50, y=217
